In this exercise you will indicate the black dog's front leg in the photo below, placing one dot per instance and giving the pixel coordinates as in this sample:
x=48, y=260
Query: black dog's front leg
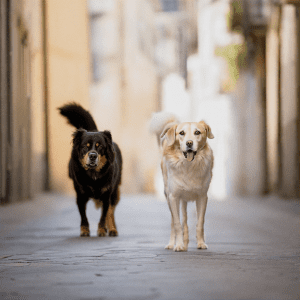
x=102, y=224
x=81, y=203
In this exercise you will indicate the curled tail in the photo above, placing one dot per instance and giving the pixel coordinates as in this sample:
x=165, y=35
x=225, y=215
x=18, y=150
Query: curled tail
x=78, y=116
x=160, y=121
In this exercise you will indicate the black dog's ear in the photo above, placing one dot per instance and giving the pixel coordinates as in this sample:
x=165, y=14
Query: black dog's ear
x=108, y=134
x=110, y=149
x=77, y=136
x=111, y=153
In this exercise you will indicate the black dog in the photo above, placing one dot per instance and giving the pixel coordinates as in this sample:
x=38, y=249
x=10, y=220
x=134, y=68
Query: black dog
x=95, y=168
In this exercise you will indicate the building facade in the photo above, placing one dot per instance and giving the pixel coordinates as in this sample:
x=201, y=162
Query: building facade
x=44, y=63
x=272, y=37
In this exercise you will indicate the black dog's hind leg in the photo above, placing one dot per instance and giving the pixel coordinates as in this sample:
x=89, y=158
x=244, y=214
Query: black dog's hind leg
x=102, y=224
x=81, y=203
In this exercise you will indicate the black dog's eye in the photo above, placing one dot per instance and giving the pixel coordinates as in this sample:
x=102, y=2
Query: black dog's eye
x=181, y=132
x=88, y=144
x=97, y=144
x=197, y=132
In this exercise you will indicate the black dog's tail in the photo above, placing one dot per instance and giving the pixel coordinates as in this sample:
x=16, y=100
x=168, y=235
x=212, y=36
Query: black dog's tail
x=78, y=116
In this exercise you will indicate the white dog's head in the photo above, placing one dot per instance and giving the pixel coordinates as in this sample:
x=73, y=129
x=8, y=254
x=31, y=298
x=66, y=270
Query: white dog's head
x=190, y=136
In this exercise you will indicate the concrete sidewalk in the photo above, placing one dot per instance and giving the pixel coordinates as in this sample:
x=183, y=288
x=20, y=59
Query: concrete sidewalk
x=253, y=252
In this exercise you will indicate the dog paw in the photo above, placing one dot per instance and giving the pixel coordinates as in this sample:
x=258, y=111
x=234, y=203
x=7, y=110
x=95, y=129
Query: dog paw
x=101, y=231
x=201, y=245
x=84, y=231
x=169, y=246
x=113, y=232
x=180, y=248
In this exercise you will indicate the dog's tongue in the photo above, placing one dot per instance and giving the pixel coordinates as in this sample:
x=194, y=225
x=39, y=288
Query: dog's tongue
x=190, y=155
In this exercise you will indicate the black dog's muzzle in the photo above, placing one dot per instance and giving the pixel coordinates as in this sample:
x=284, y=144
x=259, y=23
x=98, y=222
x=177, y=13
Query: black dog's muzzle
x=93, y=159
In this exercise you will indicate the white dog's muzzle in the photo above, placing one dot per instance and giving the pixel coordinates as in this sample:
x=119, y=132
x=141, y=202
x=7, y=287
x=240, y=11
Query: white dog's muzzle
x=190, y=154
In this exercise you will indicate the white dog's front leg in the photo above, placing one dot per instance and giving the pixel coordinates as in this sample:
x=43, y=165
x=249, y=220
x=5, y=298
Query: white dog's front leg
x=174, y=206
x=201, y=204
x=184, y=224
x=172, y=237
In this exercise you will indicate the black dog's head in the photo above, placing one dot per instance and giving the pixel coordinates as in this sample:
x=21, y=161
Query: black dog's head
x=94, y=149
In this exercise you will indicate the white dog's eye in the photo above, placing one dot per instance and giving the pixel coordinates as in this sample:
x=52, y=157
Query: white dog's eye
x=181, y=132
x=197, y=132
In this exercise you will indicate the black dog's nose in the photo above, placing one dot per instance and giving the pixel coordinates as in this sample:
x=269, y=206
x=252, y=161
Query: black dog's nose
x=189, y=143
x=93, y=156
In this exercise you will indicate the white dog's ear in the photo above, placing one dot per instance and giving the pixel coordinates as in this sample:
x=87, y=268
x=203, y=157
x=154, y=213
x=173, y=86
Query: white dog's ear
x=207, y=129
x=169, y=134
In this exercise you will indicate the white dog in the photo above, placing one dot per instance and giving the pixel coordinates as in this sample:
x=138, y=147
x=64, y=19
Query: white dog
x=187, y=163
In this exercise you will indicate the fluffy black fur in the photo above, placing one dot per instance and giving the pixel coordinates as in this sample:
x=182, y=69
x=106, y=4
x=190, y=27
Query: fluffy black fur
x=95, y=168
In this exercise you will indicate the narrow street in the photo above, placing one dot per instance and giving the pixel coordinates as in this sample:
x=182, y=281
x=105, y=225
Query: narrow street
x=253, y=252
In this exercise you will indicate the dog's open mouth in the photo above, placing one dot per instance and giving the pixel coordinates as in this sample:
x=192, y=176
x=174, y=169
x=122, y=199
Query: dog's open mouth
x=92, y=165
x=190, y=155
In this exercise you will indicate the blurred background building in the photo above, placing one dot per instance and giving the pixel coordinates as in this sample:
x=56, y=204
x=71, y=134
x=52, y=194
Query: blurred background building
x=233, y=63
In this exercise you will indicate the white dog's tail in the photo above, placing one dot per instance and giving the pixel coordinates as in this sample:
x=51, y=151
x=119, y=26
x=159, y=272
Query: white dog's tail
x=160, y=121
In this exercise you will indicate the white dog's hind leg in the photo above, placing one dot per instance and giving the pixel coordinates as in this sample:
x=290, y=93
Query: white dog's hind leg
x=174, y=204
x=201, y=204
x=184, y=224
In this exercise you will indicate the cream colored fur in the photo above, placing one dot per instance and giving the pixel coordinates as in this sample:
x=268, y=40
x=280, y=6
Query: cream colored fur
x=186, y=163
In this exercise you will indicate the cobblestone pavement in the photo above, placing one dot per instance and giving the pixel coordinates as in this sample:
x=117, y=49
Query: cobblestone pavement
x=253, y=252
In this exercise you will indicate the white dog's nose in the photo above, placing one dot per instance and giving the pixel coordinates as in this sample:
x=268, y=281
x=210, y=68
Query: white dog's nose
x=189, y=143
